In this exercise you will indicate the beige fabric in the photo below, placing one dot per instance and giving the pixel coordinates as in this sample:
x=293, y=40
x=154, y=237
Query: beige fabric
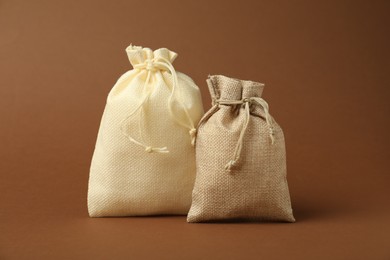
x=144, y=163
x=240, y=158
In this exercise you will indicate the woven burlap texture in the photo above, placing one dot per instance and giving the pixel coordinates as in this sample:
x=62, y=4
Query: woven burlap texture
x=255, y=188
x=127, y=179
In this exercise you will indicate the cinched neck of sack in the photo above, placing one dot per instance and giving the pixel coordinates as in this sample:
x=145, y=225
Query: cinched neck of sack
x=138, y=55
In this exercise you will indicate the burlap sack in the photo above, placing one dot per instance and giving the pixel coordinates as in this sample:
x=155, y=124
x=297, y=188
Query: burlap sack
x=144, y=162
x=240, y=158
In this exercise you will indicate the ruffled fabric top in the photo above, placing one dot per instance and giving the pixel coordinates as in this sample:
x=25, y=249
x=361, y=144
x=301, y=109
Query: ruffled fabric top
x=222, y=87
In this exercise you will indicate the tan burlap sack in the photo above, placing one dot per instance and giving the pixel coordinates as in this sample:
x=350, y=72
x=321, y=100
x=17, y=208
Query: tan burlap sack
x=144, y=159
x=240, y=158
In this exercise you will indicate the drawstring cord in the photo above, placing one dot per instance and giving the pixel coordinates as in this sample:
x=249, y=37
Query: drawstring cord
x=247, y=102
x=153, y=65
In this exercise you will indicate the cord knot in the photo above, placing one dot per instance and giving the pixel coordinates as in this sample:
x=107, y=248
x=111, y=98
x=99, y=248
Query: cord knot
x=148, y=149
x=149, y=65
x=246, y=100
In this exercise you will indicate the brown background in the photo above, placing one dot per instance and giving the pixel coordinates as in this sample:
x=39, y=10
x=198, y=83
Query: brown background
x=326, y=66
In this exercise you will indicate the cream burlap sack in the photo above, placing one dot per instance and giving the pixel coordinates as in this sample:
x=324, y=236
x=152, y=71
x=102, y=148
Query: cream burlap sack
x=144, y=159
x=240, y=158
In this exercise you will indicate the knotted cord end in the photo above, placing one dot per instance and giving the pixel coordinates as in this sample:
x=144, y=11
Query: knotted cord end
x=150, y=149
x=230, y=164
x=192, y=133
